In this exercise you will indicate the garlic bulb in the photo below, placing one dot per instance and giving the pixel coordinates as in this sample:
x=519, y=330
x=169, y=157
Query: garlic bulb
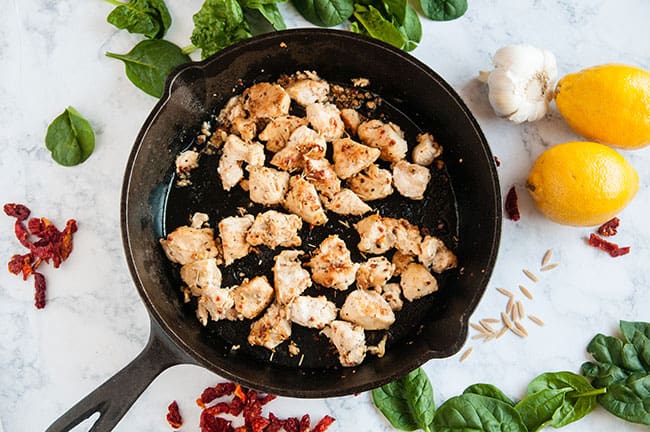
x=521, y=84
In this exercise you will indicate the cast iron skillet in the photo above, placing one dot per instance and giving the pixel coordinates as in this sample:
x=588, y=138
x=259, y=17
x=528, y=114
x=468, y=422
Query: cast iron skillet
x=194, y=91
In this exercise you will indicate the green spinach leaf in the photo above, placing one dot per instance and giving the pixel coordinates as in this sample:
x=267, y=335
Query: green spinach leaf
x=396, y=8
x=611, y=350
x=408, y=402
x=477, y=413
x=268, y=9
x=630, y=399
x=638, y=334
x=443, y=10
x=218, y=24
x=70, y=138
x=150, y=18
x=379, y=27
x=325, y=13
x=412, y=28
x=490, y=391
x=603, y=375
x=149, y=63
x=537, y=409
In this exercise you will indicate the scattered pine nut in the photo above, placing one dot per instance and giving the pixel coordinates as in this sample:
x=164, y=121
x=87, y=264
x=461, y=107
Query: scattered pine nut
x=549, y=267
x=525, y=292
x=530, y=275
x=547, y=257
x=466, y=354
x=536, y=320
x=505, y=292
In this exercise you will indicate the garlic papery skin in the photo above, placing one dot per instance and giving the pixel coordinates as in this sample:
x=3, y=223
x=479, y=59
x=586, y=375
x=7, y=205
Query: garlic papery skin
x=521, y=85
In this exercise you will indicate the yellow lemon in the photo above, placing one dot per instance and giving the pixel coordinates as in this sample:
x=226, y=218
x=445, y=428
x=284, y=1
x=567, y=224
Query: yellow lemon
x=581, y=183
x=608, y=103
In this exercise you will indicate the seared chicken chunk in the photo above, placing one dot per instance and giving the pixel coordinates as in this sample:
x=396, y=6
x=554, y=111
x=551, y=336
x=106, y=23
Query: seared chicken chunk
x=302, y=200
x=186, y=162
x=374, y=273
x=289, y=278
x=215, y=303
x=392, y=294
x=346, y=202
x=303, y=143
x=273, y=229
x=272, y=329
x=235, y=152
x=401, y=260
x=185, y=245
x=277, y=131
x=387, y=137
x=308, y=90
x=331, y=265
x=267, y=186
x=349, y=340
x=201, y=275
x=321, y=174
x=234, y=109
x=266, y=100
x=312, y=312
x=351, y=119
x=246, y=128
x=326, y=120
x=198, y=220
x=233, y=231
x=411, y=180
x=407, y=236
x=252, y=297
x=350, y=157
x=436, y=256
x=371, y=184
x=367, y=309
x=427, y=150
x=376, y=236
x=417, y=282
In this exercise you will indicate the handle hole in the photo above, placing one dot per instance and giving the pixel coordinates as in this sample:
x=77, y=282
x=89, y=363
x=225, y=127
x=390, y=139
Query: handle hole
x=87, y=424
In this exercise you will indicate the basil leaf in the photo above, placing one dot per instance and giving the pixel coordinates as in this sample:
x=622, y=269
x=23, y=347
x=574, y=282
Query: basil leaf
x=476, y=413
x=443, y=10
x=325, y=13
x=629, y=400
x=70, y=138
x=408, y=402
x=638, y=334
x=218, y=24
x=149, y=63
x=488, y=390
x=150, y=18
x=269, y=10
x=379, y=27
x=537, y=409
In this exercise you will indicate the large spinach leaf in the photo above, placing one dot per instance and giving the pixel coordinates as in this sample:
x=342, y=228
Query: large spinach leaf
x=443, y=10
x=70, y=138
x=375, y=25
x=638, y=334
x=149, y=63
x=218, y=24
x=630, y=399
x=476, y=413
x=412, y=28
x=490, y=391
x=268, y=9
x=150, y=18
x=325, y=13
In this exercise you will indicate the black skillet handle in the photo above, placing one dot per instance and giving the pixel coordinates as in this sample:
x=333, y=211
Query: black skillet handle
x=114, y=398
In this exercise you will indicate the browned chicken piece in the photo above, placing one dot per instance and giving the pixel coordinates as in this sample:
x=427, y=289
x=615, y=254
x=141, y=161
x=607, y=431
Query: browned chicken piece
x=436, y=256
x=216, y=304
x=308, y=90
x=267, y=186
x=349, y=340
x=234, y=109
x=376, y=236
x=351, y=119
x=416, y=282
x=411, y=180
x=321, y=174
x=392, y=294
x=350, y=157
x=371, y=184
x=186, y=162
x=274, y=229
x=233, y=231
x=289, y=278
x=266, y=100
x=367, y=309
x=407, y=236
x=199, y=220
x=185, y=245
x=346, y=202
x=312, y=312
x=272, y=329
x=252, y=297
x=374, y=273
x=387, y=137
x=303, y=143
x=201, y=275
x=246, y=128
x=235, y=153
x=326, y=120
x=427, y=150
x=277, y=131
x=302, y=200
x=401, y=260
x=331, y=265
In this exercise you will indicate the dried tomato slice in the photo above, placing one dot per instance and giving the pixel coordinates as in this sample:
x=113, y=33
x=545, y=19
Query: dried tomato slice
x=511, y=206
x=18, y=211
x=292, y=424
x=266, y=399
x=39, y=290
x=323, y=424
x=174, y=416
x=611, y=248
x=210, y=423
x=220, y=408
x=609, y=228
x=305, y=423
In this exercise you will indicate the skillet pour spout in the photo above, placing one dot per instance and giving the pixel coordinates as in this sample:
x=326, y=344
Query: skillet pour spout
x=197, y=90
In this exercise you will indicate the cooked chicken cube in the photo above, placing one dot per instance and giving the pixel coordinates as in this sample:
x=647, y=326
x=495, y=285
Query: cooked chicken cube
x=252, y=297
x=331, y=265
x=346, y=202
x=326, y=120
x=266, y=100
x=321, y=174
x=215, y=303
x=349, y=340
x=274, y=229
x=367, y=309
x=272, y=329
x=387, y=137
x=201, y=275
x=302, y=200
x=235, y=152
x=376, y=236
x=199, y=220
x=351, y=119
x=392, y=294
x=277, y=131
x=407, y=236
x=350, y=157
x=411, y=180
x=427, y=149
x=185, y=245
x=267, y=186
x=401, y=260
x=246, y=128
x=303, y=143
x=417, y=282
x=308, y=91
x=312, y=312
x=374, y=273
x=371, y=184
x=289, y=278
x=436, y=256
x=234, y=109
x=186, y=162
x=232, y=231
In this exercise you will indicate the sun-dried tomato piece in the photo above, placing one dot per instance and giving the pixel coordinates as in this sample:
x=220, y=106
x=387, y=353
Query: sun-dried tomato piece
x=252, y=410
x=209, y=423
x=323, y=424
x=220, y=408
x=305, y=423
x=24, y=264
x=236, y=406
x=18, y=211
x=266, y=399
x=22, y=234
x=39, y=290
x=609, y=228
x=611, y=248
x=275, y=424
x=174, y=416
x=258, y=424
x=240, y=393
x=292, y=424
x=511, y=206
x=241, y=429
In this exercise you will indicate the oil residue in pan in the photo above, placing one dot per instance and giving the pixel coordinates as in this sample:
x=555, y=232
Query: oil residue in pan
x=435, y=214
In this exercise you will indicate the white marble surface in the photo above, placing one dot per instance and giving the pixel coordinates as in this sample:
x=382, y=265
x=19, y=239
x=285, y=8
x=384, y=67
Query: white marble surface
x=52, y=55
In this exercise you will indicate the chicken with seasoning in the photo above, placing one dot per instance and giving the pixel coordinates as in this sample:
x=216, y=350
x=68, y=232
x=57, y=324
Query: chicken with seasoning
x=289, y=278
x=312, y=312
x=274, y=229
x=349, y=340
x=331, y=265
x=233, y=231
